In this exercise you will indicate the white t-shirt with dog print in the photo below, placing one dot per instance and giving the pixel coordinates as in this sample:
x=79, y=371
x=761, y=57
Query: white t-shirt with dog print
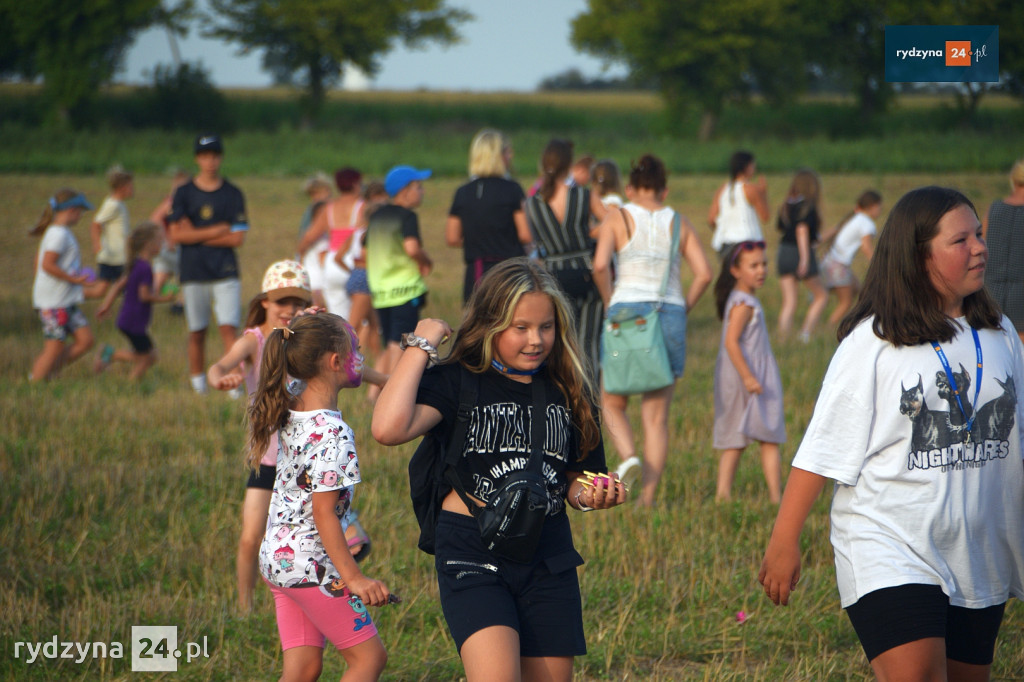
x=918, y=497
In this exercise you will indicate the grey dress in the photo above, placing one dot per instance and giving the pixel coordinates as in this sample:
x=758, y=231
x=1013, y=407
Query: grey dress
x=742, y=417
x=1004, y=272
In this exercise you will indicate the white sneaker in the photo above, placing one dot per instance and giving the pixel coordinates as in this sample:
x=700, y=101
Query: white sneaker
x=237, y=392
x=630, y=471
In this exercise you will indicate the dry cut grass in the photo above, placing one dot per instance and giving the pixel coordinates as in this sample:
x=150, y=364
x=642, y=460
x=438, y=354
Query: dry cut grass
x=120, y=503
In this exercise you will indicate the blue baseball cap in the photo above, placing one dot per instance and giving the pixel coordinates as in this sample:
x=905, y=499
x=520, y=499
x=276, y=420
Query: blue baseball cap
x=400, y=176
x=77, y=201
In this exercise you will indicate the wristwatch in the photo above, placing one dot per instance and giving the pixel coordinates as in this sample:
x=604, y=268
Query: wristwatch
x=415, y=341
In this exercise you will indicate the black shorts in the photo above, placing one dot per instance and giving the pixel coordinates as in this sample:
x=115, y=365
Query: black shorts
x=110, y=273
x=400, y=319
x=141, y=343
x=789, y=259
x=263, y=479
x=540, y=600
x=887, y=618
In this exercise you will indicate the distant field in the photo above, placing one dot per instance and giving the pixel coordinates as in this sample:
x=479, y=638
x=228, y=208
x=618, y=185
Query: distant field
x=120, y=503
x=375, y=130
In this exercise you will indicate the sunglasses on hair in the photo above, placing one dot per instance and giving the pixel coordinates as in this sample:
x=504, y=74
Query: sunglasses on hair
x=744, y=246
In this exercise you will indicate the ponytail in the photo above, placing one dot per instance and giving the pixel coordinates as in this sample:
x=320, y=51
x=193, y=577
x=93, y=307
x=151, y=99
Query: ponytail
x=295, y=351
x=46, y=218
x=554, y=164
x=726, y=281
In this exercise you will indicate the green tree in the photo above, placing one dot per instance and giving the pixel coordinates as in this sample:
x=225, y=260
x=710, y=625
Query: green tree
x=316, y=38
x=701, y=53
x=75, y=46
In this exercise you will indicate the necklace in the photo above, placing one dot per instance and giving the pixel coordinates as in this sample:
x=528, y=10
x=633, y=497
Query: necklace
x=968, y=421
x=505, y=369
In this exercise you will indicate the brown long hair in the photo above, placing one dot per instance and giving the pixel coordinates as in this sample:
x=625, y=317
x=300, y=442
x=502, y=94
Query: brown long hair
x=554, y=163
x=898, y=292
x=293, y=352
x=489, y=312
x=807, y=186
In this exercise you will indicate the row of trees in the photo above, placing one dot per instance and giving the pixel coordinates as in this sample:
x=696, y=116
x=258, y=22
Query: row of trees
x=699, y=54
x=77, y=46
x=705, y=54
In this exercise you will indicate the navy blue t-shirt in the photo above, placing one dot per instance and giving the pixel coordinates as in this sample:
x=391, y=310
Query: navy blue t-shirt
x=226, y=204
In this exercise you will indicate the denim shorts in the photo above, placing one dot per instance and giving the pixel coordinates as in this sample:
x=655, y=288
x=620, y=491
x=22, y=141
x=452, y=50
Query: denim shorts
x=673, y=327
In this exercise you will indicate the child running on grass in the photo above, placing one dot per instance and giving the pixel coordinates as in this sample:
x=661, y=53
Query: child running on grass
x=319, y=591
x=58, y=286
x=748, y=387
x=855, y=232
x=927, y=513
x=144, y=245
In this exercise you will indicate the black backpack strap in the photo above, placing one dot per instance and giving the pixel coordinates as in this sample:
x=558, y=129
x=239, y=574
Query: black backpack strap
x=538, y=424
x=469, y=385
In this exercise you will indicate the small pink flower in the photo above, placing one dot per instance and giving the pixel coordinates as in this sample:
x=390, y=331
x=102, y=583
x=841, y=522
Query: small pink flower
x=741, y=617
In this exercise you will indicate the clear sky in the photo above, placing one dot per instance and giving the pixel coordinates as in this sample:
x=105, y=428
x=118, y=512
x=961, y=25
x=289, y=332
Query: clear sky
x=509, y=45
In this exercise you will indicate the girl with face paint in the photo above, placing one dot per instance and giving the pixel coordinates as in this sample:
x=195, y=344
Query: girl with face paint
x=317, y=470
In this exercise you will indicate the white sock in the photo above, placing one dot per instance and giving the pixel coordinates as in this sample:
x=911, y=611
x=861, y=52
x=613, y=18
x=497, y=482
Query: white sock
x=198, y=383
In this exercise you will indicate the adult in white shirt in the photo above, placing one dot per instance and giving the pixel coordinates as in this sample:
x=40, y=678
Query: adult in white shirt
x=740, y=206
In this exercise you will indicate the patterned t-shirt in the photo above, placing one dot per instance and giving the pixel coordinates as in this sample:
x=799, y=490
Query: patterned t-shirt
x=317, y=454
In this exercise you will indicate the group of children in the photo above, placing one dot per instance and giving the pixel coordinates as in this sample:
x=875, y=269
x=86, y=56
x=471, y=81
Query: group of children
x=916, y=493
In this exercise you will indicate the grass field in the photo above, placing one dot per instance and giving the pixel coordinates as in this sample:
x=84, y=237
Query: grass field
x=120, y=503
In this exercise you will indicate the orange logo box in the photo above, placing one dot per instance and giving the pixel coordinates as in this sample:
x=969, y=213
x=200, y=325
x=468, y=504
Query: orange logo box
x=958, y=53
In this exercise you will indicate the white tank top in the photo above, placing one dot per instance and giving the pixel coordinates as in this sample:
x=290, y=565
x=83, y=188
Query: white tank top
x=737, y=220
x=642, y=261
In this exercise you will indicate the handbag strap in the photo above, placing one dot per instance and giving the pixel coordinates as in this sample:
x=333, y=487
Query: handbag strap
x=467, y=401
x=676, y=224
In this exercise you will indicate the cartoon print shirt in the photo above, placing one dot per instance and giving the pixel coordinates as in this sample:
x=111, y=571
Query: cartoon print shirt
x=317, y=454
x=919, y=498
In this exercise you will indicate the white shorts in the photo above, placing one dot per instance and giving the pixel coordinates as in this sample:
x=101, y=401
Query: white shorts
x=222, y=296
x=335, y=293
x=313, y=261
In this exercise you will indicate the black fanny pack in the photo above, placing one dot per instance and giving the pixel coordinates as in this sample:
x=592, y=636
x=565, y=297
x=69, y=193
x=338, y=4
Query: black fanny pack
x=512, y=521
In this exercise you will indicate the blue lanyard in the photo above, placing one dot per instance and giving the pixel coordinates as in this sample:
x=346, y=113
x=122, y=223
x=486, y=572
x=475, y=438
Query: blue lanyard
x=505, y=369
x=952, y=380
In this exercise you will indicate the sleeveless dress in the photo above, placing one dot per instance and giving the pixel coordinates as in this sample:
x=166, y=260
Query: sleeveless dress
x=1004, y=272
x=742, y=417
x=567, y=246
x=336, y=277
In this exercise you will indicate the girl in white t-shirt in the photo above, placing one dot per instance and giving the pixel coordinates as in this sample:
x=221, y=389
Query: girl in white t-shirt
x=928, y=511
x=59, y=285
x=840, y=244
x=319, y=591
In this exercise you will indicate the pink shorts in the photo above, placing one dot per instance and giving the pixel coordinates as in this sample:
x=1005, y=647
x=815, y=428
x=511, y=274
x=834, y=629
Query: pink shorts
x=307, y=616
